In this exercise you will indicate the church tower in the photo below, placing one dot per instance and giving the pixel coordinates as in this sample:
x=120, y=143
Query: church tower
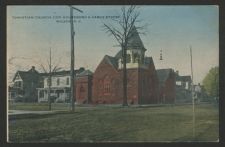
x=135, y=52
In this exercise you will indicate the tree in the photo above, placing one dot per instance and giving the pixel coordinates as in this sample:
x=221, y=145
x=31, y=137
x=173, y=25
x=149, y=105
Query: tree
x=122, y=31
x=50, y=69
x=211, y=82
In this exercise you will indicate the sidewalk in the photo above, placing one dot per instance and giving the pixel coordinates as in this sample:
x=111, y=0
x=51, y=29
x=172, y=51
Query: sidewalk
x=18, y=112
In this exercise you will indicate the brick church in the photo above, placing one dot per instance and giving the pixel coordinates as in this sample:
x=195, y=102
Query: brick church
x=143, y=83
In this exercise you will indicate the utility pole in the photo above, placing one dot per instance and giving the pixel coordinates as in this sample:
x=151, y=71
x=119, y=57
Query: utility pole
x=192, y=94
x=72, y=75
x=50, y=80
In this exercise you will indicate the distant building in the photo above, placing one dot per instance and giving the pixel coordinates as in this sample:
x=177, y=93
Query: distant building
x=199, y=92
x=183, y=88
x=84, y=87
x=60, y=86
x=24, y=85
x=13, y=93
x=167, y=87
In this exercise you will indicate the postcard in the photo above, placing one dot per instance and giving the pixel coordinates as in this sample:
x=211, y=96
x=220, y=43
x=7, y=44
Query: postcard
x=112, y=73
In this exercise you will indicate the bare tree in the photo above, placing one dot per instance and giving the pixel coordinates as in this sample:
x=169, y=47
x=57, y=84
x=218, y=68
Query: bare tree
x=122, y=31
x=50, y=70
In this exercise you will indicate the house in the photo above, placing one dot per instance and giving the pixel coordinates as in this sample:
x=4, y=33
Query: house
x=142, y=83
x=200, y=94
x=183, y=88
x=167, y=92
x=25, y=84
x=60, y=86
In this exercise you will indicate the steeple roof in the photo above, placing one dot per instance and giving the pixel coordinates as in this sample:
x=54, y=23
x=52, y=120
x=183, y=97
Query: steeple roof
x=135, y=41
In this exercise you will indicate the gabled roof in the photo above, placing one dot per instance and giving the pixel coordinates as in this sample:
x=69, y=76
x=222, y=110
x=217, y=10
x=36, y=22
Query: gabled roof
x=111, y=60
x=163, y=75
x=31, y=75
x=135, y=41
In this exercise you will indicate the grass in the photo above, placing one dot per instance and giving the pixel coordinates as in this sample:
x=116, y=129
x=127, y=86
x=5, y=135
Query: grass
x=129, y=124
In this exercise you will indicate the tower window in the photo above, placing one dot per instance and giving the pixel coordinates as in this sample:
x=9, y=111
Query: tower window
x=136, y=58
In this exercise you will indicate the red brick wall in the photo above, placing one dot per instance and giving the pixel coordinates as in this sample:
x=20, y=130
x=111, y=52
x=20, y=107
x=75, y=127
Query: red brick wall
x=148, y=86
x=170, y=89
x=132, y=86
x=142, y=85
x=168, y=93
x=83, y=89
x=106, y=75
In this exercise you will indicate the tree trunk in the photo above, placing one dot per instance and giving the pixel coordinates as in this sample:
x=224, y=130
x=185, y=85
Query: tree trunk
x=124, y=76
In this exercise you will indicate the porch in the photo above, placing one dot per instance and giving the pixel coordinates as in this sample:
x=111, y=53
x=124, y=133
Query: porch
x=57, y=94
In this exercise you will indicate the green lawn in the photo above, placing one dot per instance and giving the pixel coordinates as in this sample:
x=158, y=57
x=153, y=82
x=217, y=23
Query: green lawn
x=129, y=124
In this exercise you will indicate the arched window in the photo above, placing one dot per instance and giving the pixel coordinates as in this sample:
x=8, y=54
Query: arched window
x=107, y=85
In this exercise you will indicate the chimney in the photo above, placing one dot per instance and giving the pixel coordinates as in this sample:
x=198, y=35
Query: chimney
x=33, y=68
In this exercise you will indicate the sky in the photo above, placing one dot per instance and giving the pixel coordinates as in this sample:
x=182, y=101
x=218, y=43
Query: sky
x=172, y=29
